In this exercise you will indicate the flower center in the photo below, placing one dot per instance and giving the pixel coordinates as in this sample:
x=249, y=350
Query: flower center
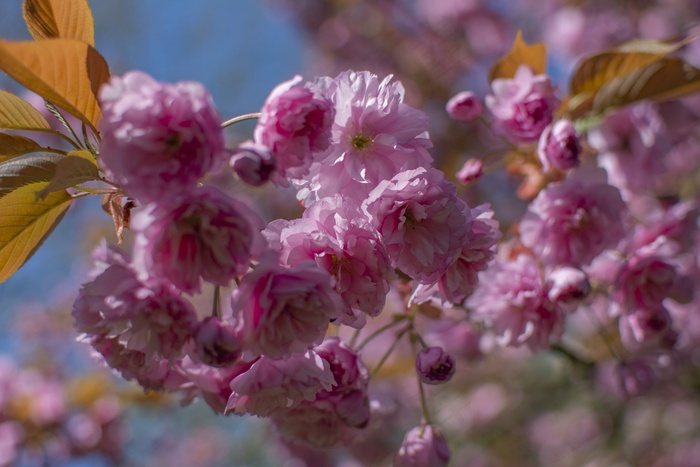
x=360, y=142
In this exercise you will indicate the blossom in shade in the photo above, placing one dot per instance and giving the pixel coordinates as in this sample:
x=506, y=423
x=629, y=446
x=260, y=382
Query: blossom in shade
x=648, y=329
x=633, y=379
x=375, y=135
x=280, y=310
x=647, y=278
x=559, y=146
x=465, y=106
x=513, y=302
x=216, y=342
x=154, y=321
x=273, y=384
x=462, y=276
x=434, y=365
x=294, y=123
x=334, y=233
x=158, y=138
x=254, y=163
x=423, y=445
x=573, y=221
x=423, y=224
x=202, y=234
x=522, y=106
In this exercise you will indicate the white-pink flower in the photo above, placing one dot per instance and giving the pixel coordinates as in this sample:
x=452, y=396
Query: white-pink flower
x=202, y=234
x=335, y=234
x=423, y=224
x=281, y=310
x=573, y=221
x=375, y=135
x=522, y=106
x=295, y=122
x=158, y=138
x=273, y=384
x=512, y=300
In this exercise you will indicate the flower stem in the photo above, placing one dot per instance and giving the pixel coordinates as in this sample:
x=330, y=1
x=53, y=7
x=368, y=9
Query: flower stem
x=381, y=330
x=388, y=353
x=240, y=118
x=216, y=307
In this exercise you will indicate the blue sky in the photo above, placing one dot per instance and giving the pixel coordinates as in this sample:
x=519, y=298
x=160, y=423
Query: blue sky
x=239, y=49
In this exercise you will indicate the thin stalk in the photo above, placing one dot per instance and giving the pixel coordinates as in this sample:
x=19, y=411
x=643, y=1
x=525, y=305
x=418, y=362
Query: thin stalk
x=216, y=306
x=388, y=353
x=380, y=330
x=240, y=118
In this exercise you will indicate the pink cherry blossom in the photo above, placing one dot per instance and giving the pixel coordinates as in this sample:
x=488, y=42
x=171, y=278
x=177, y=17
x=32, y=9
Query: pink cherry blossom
x=375, y=135
x=295, y=122
x=422, y=223
x=573, y=221
x=202, y=234
x=158, y=138
x=273, y=384
x=281, y=310
x=472, y=170
x=522, y=106
x=335, y=234
x=254, y=163
x=216, y=342
x=512, y=300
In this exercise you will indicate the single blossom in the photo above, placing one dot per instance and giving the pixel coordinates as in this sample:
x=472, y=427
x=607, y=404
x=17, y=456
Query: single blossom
x=472, y=170
x=559, y=146
x=281, y=310
x=434, y=365
x=158, y=138
x=423, y=224
x=573, y=221
x=423, y=445
x=202, y=234
x=465, y=106
x=254, y=163
x=273, y=384
x=374, y=136
x=295, y=122
x=513, y=301
x=522, y=106
x=568, y=285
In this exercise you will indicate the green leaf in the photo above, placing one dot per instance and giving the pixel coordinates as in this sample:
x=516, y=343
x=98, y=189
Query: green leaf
x=25, y=170
x=16, y=145
x=533, y=56
x=66, y=72
x=77, y=167
x=18, y=114
x=68, y=19
x=25, y=222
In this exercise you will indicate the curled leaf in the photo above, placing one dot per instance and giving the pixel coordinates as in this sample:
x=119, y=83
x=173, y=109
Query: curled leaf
x=25, y=223
x=68, y=19
x=534, y=56
x=71, y=170
x=25, y=170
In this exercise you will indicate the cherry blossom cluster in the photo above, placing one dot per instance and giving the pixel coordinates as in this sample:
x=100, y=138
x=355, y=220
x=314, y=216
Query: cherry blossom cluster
x=377, y=213
x=594, y=239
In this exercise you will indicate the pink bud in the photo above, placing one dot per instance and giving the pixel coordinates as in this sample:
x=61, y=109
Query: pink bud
x=253, y=163
x=465, y=106
x=559, y=146
x=216, y=342
x=423, y=445
x=434, y=365
x=470, y=171
x=568, y=284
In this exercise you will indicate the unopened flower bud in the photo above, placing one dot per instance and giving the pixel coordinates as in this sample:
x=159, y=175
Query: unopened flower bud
x=568, y=285
x=470, y=171
x=423, y=446
x=465, y=106
x=434, y=365
x=216, y=342
x=253, y=163
x=559, y=146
